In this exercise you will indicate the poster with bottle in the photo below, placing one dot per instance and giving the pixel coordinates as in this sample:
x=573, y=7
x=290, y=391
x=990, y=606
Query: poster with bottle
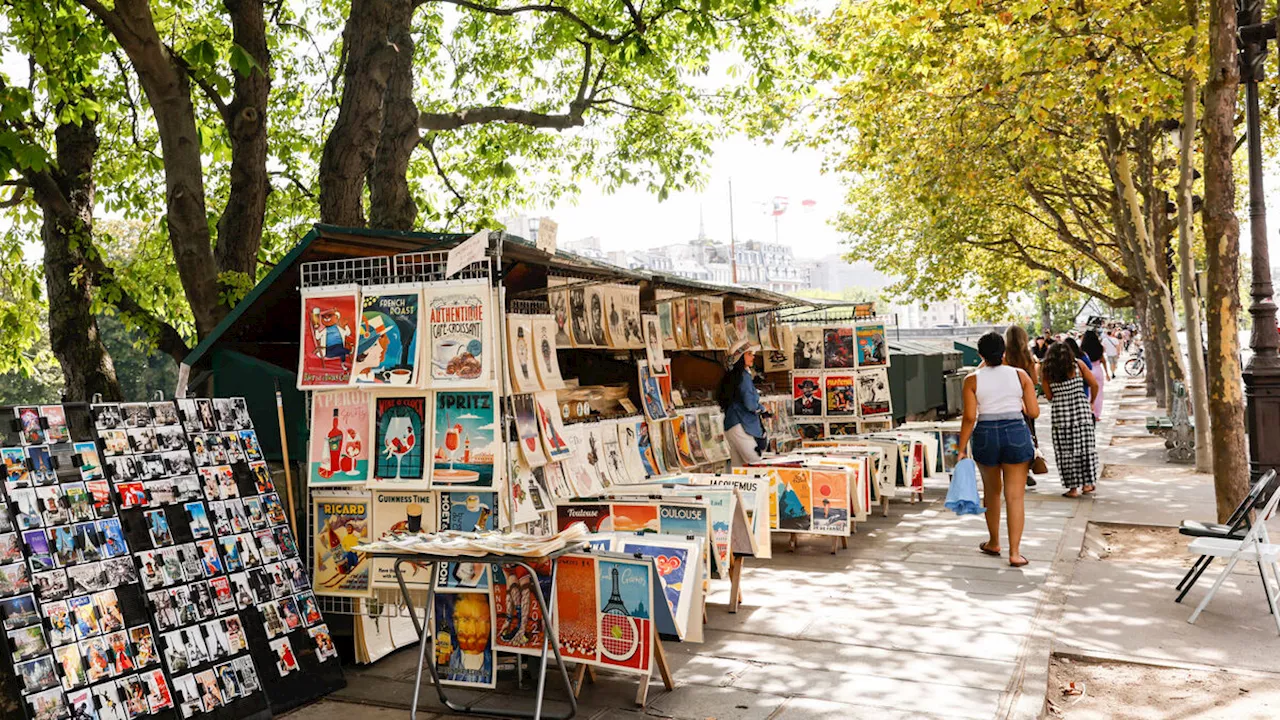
x=459, y=329
x=340, y=523
x=469, y=512
x=465, y=445
x=401, y=427
x=387, y=339
x=330, y=325
x=338, y=453
x=401, y=512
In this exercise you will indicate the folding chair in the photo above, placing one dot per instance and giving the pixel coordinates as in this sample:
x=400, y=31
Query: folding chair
x=1235, y=527
x=1255, y=546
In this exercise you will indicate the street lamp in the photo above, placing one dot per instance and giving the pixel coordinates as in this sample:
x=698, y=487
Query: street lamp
x=1262, y=373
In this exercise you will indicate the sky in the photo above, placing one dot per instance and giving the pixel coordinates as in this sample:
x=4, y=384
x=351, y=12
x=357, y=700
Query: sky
x=634, y=219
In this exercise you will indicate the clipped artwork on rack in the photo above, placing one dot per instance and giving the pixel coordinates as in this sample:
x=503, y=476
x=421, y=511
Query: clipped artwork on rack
x=340, y=425
x=546, y=362
x=459, y=333
x=806, y=393
x=873, y=351
x=465, y=448
x=551, y=427
x=387, y=340
x=873, y=393
x=838, y=348
x=399, y=441
x=329, y=333
x=842, y=396
x=339, y=524
x=521, y=352
x=807, y=348
x=401, y=512
x=650, y=393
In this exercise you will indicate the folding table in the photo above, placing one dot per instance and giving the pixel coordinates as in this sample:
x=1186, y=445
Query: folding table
x=425, y=641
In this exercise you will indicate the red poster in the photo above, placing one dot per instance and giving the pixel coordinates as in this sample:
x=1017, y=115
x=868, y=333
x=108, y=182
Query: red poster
x=576, y=607
x=328, y=343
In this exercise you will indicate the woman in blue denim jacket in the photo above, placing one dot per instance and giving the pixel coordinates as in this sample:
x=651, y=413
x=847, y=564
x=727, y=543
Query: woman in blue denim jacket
x=738, y=397
x=996, y=397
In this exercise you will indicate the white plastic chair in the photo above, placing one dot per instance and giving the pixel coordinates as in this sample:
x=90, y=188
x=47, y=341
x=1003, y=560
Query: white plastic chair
x=1254, y=547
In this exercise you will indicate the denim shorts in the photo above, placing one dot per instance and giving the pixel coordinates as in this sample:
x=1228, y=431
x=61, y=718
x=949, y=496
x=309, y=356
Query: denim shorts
x=1002, y=442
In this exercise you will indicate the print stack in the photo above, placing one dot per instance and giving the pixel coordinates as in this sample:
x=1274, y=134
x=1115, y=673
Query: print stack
x=780, y=424
x=841, y=376
x=708, y=323
x=681, y=440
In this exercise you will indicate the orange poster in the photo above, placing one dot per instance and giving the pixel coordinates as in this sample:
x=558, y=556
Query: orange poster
x=576, y=607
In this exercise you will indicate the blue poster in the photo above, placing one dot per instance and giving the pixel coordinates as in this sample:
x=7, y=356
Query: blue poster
x=387, y=342
x=465, y=440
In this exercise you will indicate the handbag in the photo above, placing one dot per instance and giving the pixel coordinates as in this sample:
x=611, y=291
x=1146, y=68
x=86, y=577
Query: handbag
x=962, y=496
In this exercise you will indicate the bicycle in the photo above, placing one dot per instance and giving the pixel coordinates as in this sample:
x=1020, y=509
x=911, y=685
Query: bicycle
x=1136, y=365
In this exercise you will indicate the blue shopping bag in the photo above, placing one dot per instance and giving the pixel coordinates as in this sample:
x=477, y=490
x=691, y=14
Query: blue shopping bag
x=962, y=496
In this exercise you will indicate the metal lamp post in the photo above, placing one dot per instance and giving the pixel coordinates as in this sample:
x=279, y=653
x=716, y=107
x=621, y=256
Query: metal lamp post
x=1262, y=373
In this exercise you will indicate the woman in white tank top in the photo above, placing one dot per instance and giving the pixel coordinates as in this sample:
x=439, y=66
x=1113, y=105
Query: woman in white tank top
x=995, y=398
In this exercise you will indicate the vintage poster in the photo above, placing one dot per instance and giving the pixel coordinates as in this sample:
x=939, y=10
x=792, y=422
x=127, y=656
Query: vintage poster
x=632, y=325
x=340, y=430
x=524, y=489
x=615, y=331
x=554, y=441
x=401, y=512
x=470, y=512
x=670, y=449
x=466, y=446
x=718, y=336
x=387, y=341
x=625, y=596
x=684, y=448
x=650, y=449
x=650, y=393
x=838, y=350
x=615, y=468
x=464, y=639
x=753, y=330
x=653, y=342
x=806, y=348
x=842, y=397
x=675, y=559
x=521, y=351
x=459, y=332
x=770, y=338
x=340, y=523
x=666, y=327
x=595, y=517
x=576, y=608
x=782, y=356
x=546, y=361
x=579, y=322
x=558, y=300
x=950, y=449
x=873, y=393
x=528, y=436
x=811, y=430
x=629, y=444
x=693, y=321
x=830, y=500
x=594, y=452
x=400, y=433
x=595, y=321
x=843, y=427
x=795, y=499
x=520, y=627
x=873, y=351
x=806, y=394
x=680, y=324
x=328, y=343
x=704, y=319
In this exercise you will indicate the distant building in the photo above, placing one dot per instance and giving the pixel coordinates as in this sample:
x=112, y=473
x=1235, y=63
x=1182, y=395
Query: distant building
x=942, y=313
x=833, y=273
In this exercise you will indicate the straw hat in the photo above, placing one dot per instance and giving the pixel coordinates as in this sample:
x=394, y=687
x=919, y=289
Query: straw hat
x=740, y=348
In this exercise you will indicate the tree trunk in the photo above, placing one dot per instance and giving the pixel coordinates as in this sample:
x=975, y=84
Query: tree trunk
x=168, y=91
x=1160, y=303
x=1222, y=254
x=1046, y=316
x=391, y=204
x=240, y=227
x=349, y=150
x=67, y=205
x=1190, y=303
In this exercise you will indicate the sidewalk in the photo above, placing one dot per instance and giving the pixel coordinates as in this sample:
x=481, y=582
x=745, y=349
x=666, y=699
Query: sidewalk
x=913, y=622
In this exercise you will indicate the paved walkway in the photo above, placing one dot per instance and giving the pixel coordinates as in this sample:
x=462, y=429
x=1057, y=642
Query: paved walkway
x=913, y=622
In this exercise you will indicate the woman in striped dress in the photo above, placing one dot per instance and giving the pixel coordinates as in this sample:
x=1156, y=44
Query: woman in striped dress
x=1075, y=454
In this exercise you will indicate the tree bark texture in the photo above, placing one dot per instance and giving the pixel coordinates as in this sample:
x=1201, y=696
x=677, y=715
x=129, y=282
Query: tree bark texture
x=1160, y=301
x=370, y=54
x=65, y=195
x=168, y=90
x=1222, y=255
x=240, y=226
x=1198, y=389
x=391, y=203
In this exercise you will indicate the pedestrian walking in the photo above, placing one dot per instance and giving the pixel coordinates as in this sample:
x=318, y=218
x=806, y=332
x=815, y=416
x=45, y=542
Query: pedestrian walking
x=1074, y=446
x=738, y=397
x=1111, y=348
x=1094, y=354
x=1017, y=354
x=1090, y=388
x=996, y=396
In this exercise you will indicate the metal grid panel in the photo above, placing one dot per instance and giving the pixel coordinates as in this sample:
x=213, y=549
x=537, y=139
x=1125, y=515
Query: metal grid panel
x=840, y=314
x=429, y=266
x=365, y=270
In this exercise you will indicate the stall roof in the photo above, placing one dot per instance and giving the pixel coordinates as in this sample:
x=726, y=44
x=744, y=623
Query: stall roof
x=264, y=323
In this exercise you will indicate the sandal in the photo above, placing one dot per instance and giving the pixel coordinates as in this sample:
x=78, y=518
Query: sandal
x=1088, y=489
x=1017, y=564
x=1072, y=493
x=988, y=551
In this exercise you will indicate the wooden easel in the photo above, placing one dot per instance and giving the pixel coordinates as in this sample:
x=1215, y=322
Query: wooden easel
x=838, y=542
x=735, y=581
x=588, y=673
